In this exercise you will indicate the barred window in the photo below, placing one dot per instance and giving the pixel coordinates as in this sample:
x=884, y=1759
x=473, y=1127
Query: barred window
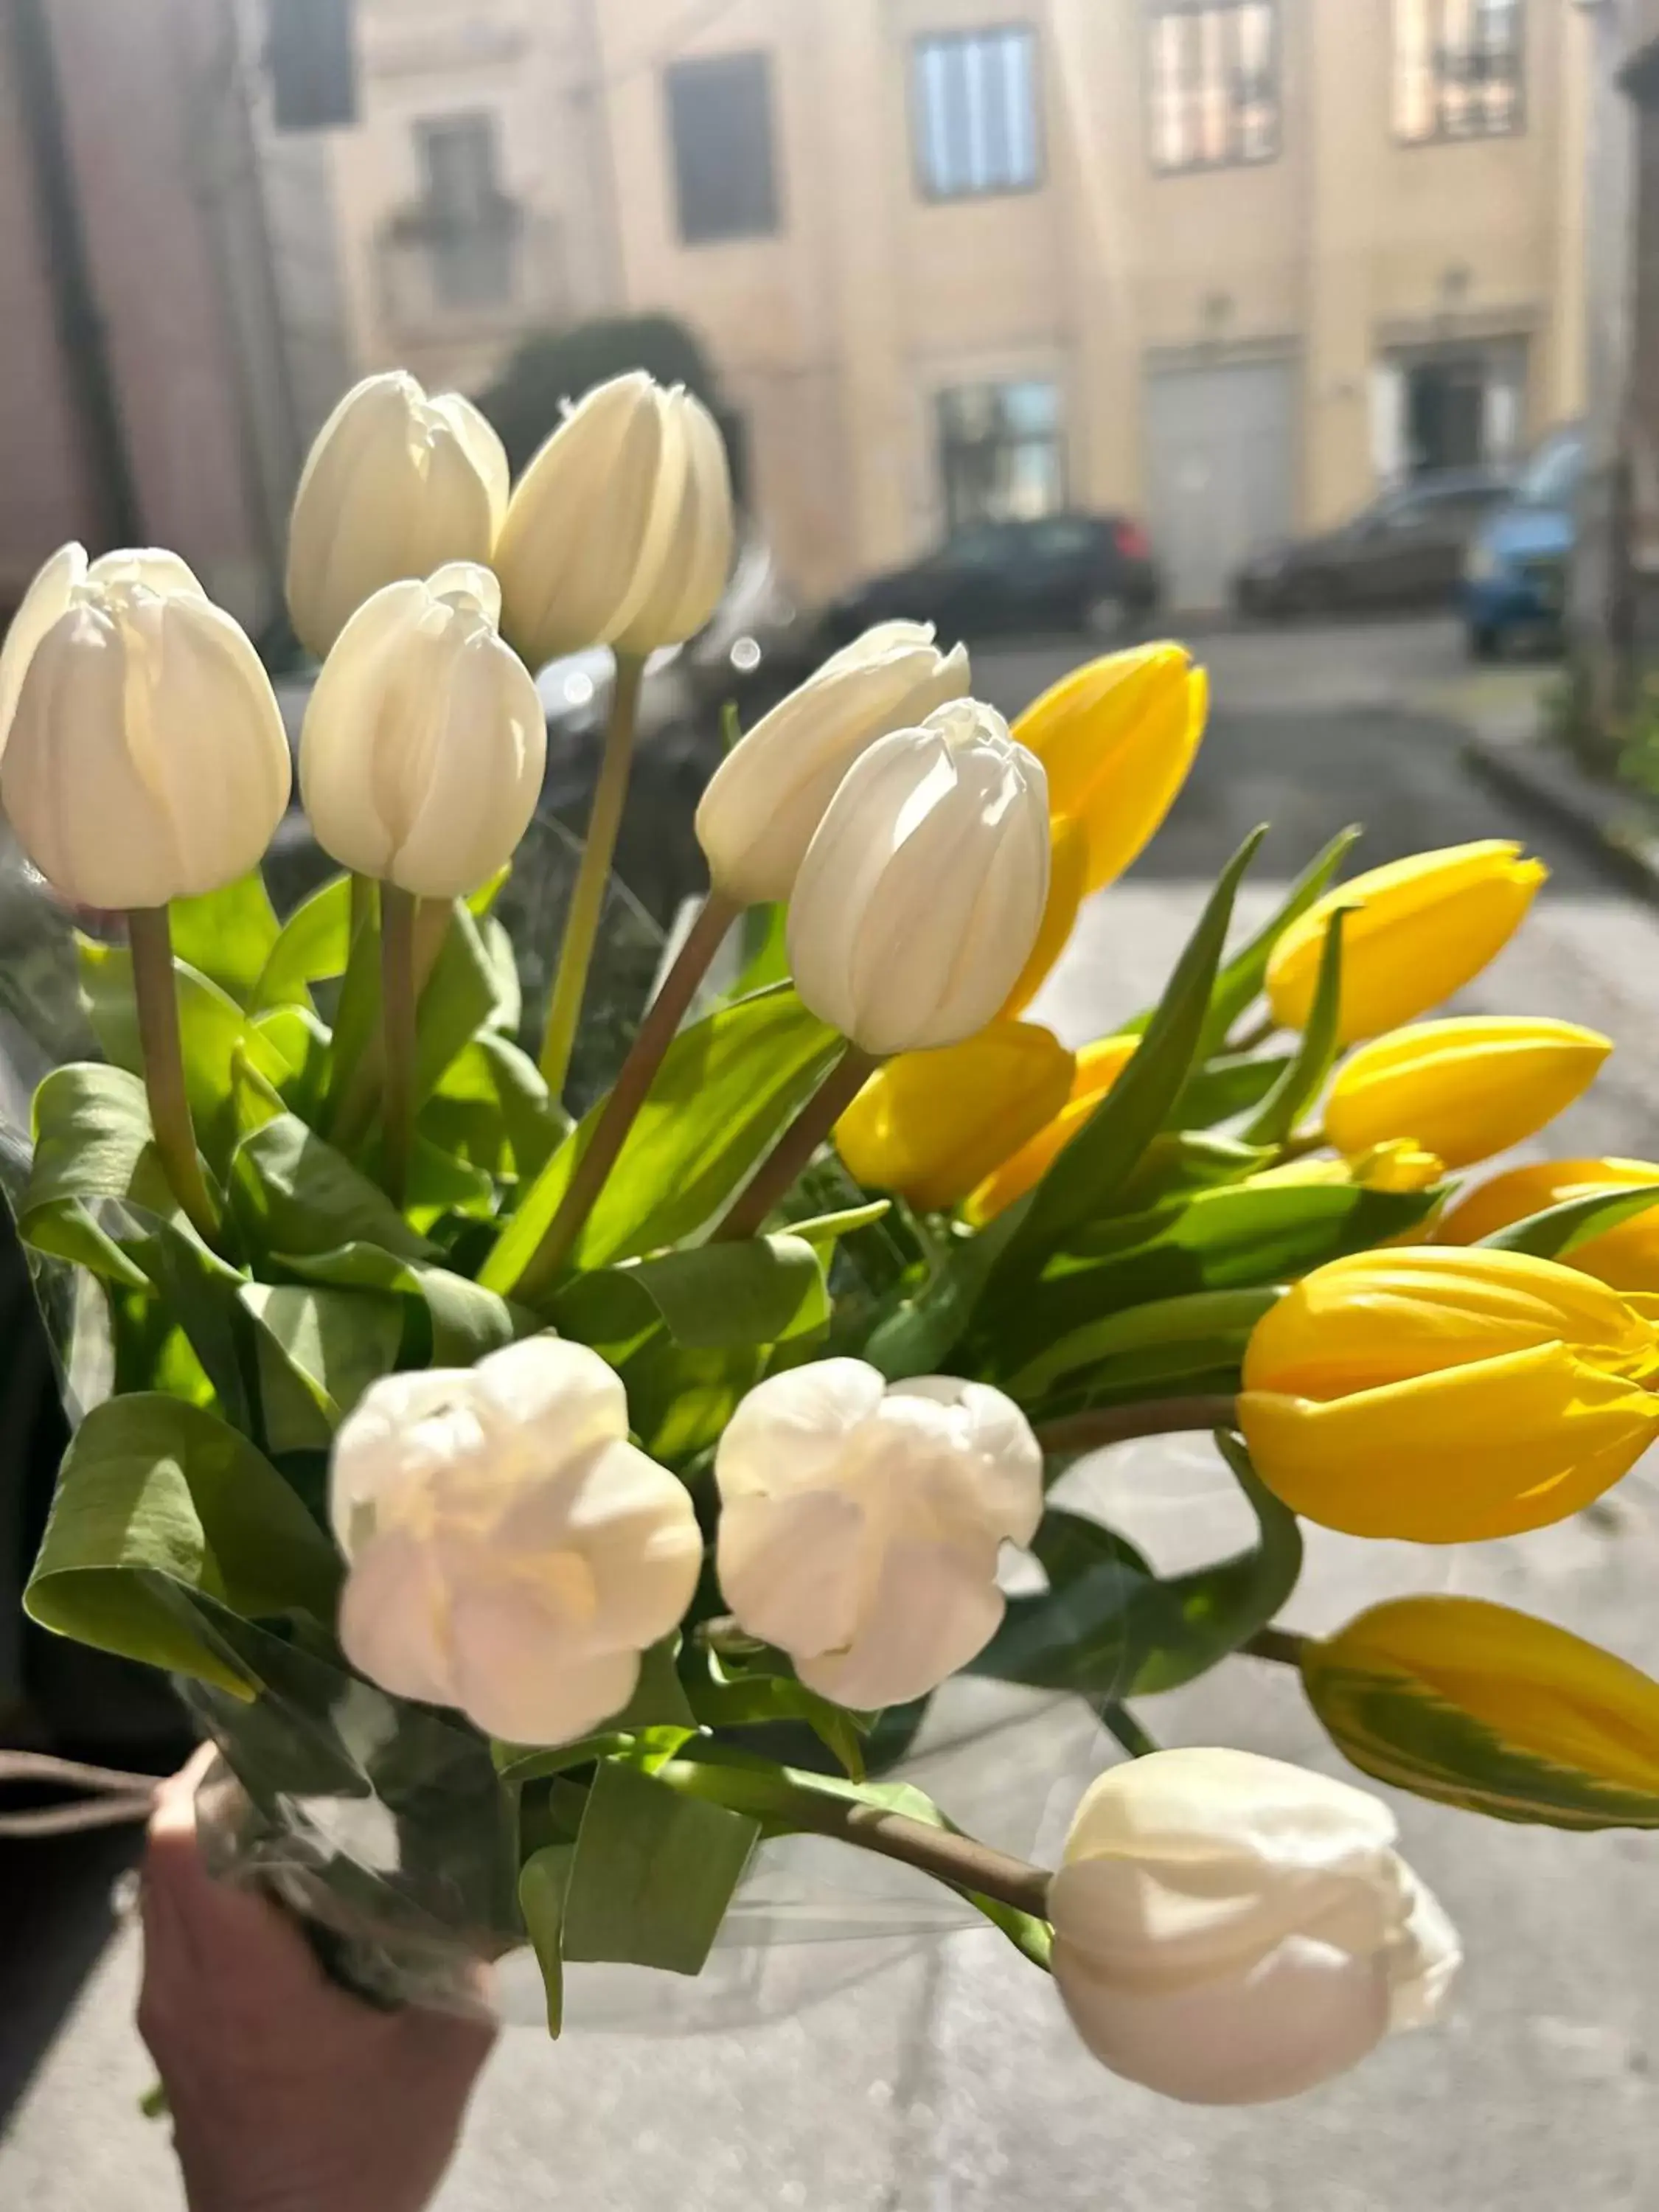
x=976, y=120
x=720, y=128
x=1457, y=69
x=1214, y=71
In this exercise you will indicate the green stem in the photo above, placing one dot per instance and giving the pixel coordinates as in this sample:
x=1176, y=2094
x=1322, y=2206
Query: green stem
x=361, y=908
x=1258, y=1033
x=632, y=1087
x=958, y=1860
x=581, y=925
x=149, y=936
x=793, y=1151
x=356, y=1113
x=1153, y=1417
x=1128, y=1731
x=397, y=1036
x=1283, y=1645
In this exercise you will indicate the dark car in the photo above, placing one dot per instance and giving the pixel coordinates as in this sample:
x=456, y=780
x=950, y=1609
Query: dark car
x=1087, y=572
x=1515, y=575
x=1406, y=550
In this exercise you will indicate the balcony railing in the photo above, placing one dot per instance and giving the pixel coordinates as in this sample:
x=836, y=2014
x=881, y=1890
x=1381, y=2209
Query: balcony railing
x=492, y=273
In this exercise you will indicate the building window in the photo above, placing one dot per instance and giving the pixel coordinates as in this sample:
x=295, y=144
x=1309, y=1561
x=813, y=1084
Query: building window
x=467, y=223
x=1214, y=83
x=1000, y=455
x=719, y=123
x=1457, y=69
x=976, y=122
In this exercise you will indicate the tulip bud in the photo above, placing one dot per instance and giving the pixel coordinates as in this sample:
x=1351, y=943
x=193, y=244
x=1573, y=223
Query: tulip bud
x=1416, y=930
x=1230, y=1929
x=923, y=887
x=619, y=532
x=1097, y=1067
x=932, y=1125
x=1117, y=737
x=422, y=757
x=141, y=753
x=1463, y=1088
x=768, y=796
x=1399, y=1167
x=396, y=484
x=511, y=1553
x=1627, y=1256
x=1475, y=1705
x=1444, y=1396
x=861, y=1522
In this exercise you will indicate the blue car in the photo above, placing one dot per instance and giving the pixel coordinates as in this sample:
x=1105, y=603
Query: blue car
x=1515, y=574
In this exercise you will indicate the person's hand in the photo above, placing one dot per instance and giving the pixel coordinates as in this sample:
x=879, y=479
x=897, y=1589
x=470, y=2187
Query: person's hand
x=287, y=2093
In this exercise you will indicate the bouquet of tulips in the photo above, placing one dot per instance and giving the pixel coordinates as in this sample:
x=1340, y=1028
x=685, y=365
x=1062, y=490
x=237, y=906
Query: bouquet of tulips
x=552, y=1519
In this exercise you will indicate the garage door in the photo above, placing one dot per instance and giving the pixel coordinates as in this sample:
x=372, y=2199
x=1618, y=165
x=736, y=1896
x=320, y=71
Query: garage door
x=1220, y=469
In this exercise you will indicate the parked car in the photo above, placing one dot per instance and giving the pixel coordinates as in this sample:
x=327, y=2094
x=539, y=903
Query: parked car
x=1514, y=575
x=1406, y=549
x=1087, y=572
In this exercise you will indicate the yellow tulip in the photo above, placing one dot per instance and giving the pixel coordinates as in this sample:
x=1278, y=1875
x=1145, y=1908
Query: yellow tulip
x=1398, y=1167
x=1562, y=1732
x=1098, y=1067
x=1463, y=1088
x=1069, y=864
x=1445, y=1396
x=1117, y=737
x=932, y=1125
x=1416, y=930
x=1627, y=1257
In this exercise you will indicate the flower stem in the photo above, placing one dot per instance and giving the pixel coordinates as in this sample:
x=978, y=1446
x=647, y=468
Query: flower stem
x=795, y=1148
x=1127, y=1729
x=581, y=925
x=149, y=936
x=397, y=1036
x=960, y=1861
x=1153, y=1417
x=1257, y=1034
x=621, y=1110
x=1284, y=1645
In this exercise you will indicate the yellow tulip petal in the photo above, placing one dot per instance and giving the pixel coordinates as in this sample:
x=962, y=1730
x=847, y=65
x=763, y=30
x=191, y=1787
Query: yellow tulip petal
x=1117, y=737
x=1098, y=1067
x=1417, y=931
x=1626, y=1257
x=930, y=1125
x=1457, y=1457
x=1067, y=870
x=1463, y=1088
x=1545, y=1691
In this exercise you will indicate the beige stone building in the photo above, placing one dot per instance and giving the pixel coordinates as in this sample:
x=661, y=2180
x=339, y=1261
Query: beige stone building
x=1228, y=265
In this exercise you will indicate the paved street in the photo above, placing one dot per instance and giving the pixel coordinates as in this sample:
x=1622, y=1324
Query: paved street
x=945, y=2080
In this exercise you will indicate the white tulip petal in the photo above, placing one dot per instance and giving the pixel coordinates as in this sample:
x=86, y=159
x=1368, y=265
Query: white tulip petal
x=562, y=1397
x=152, y=566
x=1423, y=1961
x=792, y=1569
x=393, y=1619
x=399, y=1434
x=633, y=1525
x=791, y=1431
x=933, y=1608
x=994, y=1428
x=48, y=596
x=518, y=1676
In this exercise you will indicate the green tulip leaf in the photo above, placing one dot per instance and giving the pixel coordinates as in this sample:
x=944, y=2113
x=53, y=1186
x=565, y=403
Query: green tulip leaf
x=203, y=1294
x=228, y=936
x=1094, y=1167
x=652, y=1872
x=472, y=988
x=159, y=1503
x=1145, y=1345
x=763, y=1691
x=293, y=1193
x=319, y=1351
x=465, y=1321
x=1559, y=1230
x=1229, y=1085
x=544, y=1885
x=762, y=1291
x=1242, y=979
x=92, y=1151
x=1399, y=1729
x=312, y=945
x=1178, y=1162
x=1315, y=1056
x=727, y=1088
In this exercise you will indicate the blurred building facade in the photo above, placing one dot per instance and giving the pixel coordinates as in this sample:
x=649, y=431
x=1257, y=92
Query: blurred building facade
x=1225, y=264
x=171, y=330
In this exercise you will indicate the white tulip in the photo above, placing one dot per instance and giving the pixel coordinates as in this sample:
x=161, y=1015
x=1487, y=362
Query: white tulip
x=511, y=1553
x=141, y=753
x=395, y=485
x=768, y=795
x=861, y=1522
x=923, y=890
x=619, y=532
x=1228, y=1929
x=421, y=759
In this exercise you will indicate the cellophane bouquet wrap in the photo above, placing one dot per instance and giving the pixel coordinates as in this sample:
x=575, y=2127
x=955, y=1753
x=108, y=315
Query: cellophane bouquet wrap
x=580, y=1420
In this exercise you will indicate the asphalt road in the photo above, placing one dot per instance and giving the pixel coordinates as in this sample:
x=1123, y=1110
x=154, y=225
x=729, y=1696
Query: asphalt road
x=938, y=2075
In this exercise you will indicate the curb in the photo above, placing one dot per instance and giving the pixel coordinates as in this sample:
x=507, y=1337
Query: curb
x=1604, y=822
